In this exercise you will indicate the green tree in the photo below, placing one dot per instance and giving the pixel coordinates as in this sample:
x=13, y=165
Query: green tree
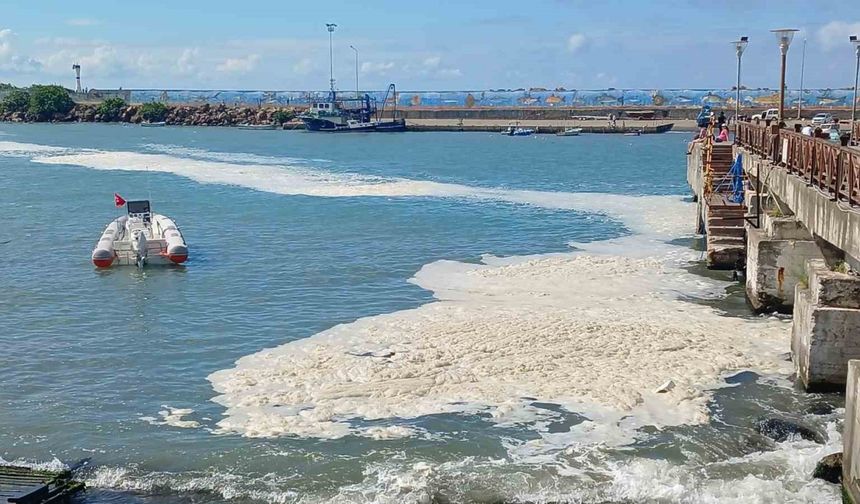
x=282, y=116
x=45, y=101
x=16, y=100
x=5, y=86
x=110, y=109
x=153, y=111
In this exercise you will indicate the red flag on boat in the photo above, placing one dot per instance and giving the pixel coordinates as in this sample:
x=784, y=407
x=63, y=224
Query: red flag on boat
x=117, y=200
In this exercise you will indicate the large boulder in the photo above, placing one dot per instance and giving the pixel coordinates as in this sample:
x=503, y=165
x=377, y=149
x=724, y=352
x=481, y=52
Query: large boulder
x=780, y=429
x=829, y=468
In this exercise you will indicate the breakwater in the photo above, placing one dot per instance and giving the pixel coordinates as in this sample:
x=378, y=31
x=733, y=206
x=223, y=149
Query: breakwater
x=179, y=115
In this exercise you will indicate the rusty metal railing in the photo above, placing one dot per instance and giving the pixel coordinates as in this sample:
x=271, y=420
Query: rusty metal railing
x=831, y=168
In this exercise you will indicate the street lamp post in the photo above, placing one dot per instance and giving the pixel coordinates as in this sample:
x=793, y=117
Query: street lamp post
x=740, y=45
x=783, y=36
x=330, y=27
x=856, y=42
x=800, y=98
x=357, y=89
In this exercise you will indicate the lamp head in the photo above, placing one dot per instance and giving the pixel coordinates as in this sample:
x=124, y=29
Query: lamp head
x=740, y=45
x=330, y=26
x=784, y=36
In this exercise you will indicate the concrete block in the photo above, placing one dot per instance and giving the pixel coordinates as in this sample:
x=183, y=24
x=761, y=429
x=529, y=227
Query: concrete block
x=774, y=268
x=823, y=340
x=785, y=228
x=851, y=434
x=831, y=288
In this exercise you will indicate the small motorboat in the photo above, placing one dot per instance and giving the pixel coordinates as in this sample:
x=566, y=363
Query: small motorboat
x=570, y=132
x=633, y=133
x=140, y=238
x=515, y=130
x=153, y=124
x=260, y=127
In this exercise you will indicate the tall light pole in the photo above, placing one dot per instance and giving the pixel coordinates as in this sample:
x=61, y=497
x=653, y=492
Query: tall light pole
x=802, y=65
x=330, y=27
x=740, y=46
x=783, y=36
x=853, y=39
x=357, y=91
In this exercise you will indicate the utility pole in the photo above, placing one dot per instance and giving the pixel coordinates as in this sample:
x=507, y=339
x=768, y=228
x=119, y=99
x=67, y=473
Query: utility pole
x=357, y=89
x=800, y=98
x=331, y=27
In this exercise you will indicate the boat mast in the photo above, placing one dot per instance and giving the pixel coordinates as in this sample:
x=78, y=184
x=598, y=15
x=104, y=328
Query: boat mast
x=331, y=27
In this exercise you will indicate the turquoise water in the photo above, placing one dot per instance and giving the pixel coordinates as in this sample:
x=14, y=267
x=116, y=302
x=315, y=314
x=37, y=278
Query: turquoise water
x=91, y=358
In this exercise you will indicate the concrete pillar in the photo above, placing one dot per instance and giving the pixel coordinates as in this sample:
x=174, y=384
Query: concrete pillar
x=851, y=436
x=825, y=332
x=776, y=261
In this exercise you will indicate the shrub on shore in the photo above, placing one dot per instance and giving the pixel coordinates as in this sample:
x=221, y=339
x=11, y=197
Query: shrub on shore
x=153, y=111
x=48, y=101
x=282, y=116
x=110, y=109
x=17, y=100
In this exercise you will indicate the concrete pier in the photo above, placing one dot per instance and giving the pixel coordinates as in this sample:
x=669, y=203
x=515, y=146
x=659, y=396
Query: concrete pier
x=851, y=436
x=803, y=246
x=825, y=331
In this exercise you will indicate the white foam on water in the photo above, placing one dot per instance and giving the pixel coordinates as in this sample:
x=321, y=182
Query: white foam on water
x=651, y=215
x=174, y=417
x=229, y=157
x=18, y=149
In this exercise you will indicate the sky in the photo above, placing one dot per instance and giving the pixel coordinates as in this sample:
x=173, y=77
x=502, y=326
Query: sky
x=431, y=45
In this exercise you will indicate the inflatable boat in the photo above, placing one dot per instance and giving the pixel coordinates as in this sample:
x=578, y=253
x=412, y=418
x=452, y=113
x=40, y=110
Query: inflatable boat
x=140, y=238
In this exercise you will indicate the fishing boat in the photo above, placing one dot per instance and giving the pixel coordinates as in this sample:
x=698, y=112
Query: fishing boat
x=570, y=132
x=256, y=127
x=515, y=130
x=139, y=238
x=337, y=114
x=153, y=124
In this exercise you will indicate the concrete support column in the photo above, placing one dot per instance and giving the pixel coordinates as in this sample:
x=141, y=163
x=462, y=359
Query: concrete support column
x=851, y=435
x=776, y=261
x=825, y=332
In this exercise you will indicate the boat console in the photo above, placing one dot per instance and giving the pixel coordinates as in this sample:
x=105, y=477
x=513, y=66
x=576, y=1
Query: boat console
x=139, y=209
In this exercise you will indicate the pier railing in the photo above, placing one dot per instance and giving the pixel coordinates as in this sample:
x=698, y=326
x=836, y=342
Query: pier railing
x=831, y=168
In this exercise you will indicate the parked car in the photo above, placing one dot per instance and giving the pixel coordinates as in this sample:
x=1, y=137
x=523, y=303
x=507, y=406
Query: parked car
x=822, y=118
x=767, y=115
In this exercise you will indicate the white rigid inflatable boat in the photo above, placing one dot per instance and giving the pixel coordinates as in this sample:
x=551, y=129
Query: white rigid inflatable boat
x=140, y=238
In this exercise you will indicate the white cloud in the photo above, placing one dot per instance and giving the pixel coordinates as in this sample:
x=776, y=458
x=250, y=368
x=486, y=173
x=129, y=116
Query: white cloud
x=82, y=22
x=835, y=34
x=370, y=67
x=11, y=62
x=239, y=65
x=304, y=66
x=432, y=62
x=576, y=42
x=102, y=60
x=186, y=64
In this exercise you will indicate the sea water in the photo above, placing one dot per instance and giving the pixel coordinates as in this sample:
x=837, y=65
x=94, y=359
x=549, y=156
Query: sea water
x=419, y=317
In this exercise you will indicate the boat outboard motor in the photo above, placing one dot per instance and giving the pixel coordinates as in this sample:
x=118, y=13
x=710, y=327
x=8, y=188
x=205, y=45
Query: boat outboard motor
x=138, y=241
